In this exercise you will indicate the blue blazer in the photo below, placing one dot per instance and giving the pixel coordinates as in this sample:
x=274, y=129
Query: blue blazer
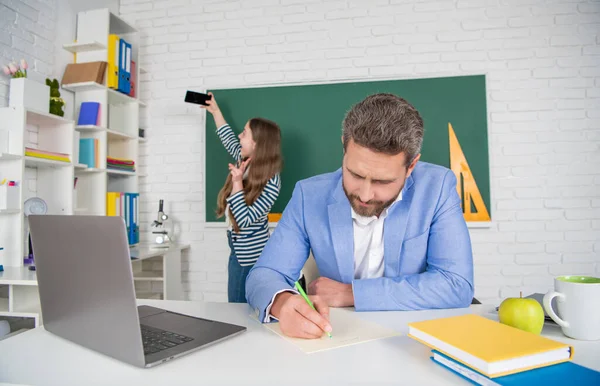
x=427, y=248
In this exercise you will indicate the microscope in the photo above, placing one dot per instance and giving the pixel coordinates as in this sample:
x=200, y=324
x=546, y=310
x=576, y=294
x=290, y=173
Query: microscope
x=162, y=231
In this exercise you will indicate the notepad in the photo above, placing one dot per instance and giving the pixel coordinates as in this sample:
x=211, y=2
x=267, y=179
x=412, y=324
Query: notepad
x=567, y=373
x=348, y=329
x=491, y=348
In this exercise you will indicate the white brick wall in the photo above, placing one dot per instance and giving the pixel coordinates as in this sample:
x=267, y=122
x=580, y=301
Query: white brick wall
x=542, y=61
x=27, y=30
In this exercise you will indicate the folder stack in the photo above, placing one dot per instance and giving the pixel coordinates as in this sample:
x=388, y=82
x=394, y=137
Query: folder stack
x=120, y=164
x=126, y=206
x=119, y=64
x=487, y=352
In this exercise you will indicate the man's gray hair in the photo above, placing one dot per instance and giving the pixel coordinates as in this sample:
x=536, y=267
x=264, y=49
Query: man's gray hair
x=385, y=123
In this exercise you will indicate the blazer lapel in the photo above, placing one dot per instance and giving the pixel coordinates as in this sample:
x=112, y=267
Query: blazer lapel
x=342, y=233
x=394, y=229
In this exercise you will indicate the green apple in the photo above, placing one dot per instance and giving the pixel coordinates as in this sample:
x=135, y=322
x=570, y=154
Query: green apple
x=524, y=314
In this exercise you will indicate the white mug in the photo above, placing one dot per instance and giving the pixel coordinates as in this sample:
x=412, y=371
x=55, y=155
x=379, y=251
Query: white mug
x=578, y=302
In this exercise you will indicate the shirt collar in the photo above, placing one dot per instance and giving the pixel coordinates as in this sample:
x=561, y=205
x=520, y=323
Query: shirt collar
x=362, y=220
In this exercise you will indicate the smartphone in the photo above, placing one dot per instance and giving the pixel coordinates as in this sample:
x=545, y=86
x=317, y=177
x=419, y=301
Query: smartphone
x=197, y=98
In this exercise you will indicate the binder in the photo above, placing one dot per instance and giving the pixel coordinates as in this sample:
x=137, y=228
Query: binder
x=133, y=228
x=127, y=205
x=112, y=80
x=133, y=80
x=124, y=66
x=111, y=203
x=135, y=233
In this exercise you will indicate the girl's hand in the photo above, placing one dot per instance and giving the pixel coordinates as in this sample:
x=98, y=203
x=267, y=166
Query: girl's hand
x=212, y=107
x=237, y=172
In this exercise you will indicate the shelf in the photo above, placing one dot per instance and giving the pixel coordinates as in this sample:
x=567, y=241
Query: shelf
x=44, y=163
x=117, y=97
x=149, y=295
x=120, y=172
x=9, y=211
x=7, y=157
x=91, y=170
x=81, y=166
x=83, y=86
x=84, y=47
x=18, y=276
x=119, y=26
x=148, y=276
x=114, y=96
x=116, y=135
x=42, y=118
x=89, y=128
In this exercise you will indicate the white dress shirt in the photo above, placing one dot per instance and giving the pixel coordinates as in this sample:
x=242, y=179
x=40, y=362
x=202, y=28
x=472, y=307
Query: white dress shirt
x=368, y=249
x=368, y=243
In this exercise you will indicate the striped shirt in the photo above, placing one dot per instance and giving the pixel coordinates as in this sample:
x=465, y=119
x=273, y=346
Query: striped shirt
x=252, y=219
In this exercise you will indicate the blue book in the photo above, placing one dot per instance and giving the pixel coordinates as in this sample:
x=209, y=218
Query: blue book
x=87, y=152
x=88, y=113
x=566, y=373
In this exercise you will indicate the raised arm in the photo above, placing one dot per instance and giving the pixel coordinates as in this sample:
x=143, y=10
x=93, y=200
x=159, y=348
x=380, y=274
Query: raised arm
x=225, y=133
x=448, y=279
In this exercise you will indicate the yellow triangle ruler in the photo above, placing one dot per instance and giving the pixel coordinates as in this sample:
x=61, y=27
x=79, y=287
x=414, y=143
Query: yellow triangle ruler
x=466, y=185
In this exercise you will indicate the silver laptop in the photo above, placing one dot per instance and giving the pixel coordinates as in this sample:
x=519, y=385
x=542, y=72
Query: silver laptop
x=87, y=294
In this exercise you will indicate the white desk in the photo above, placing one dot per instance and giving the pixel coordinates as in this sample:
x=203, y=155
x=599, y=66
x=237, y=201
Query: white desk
x=256, y=357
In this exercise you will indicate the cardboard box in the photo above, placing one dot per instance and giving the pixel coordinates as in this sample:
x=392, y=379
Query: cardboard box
x=84, y=72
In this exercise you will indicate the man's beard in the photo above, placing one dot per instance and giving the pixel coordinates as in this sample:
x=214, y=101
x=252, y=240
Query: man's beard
x=375, y=208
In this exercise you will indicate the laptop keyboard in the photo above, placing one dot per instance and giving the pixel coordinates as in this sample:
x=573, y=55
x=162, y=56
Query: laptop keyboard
x=156, y=340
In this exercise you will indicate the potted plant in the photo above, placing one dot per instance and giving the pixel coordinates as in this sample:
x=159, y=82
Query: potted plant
x=56, y=102
x=26, y=92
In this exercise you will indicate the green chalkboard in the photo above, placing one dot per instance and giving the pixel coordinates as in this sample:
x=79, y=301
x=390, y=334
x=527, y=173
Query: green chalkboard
x=310, y=117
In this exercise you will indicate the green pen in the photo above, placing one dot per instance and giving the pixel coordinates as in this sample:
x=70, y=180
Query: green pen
x=299, y=288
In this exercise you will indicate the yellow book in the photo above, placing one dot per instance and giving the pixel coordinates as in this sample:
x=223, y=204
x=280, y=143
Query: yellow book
x=492, y=348
x=112, y=79
x=46, y=156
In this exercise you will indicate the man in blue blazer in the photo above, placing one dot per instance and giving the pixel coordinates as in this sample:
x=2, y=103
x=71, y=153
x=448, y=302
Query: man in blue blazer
x=386, y=231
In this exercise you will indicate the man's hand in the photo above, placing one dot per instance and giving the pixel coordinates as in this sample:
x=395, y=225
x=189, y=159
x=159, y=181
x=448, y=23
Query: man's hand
x=297, y=319
x=333, y=293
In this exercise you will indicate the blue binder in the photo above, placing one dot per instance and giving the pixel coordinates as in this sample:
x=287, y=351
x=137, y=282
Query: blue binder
x=132, y=213
x=124, y=66
x=127, y=216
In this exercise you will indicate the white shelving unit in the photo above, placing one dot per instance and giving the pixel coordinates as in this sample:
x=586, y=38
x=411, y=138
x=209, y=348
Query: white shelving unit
x=53, y=181
x=118, y=124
